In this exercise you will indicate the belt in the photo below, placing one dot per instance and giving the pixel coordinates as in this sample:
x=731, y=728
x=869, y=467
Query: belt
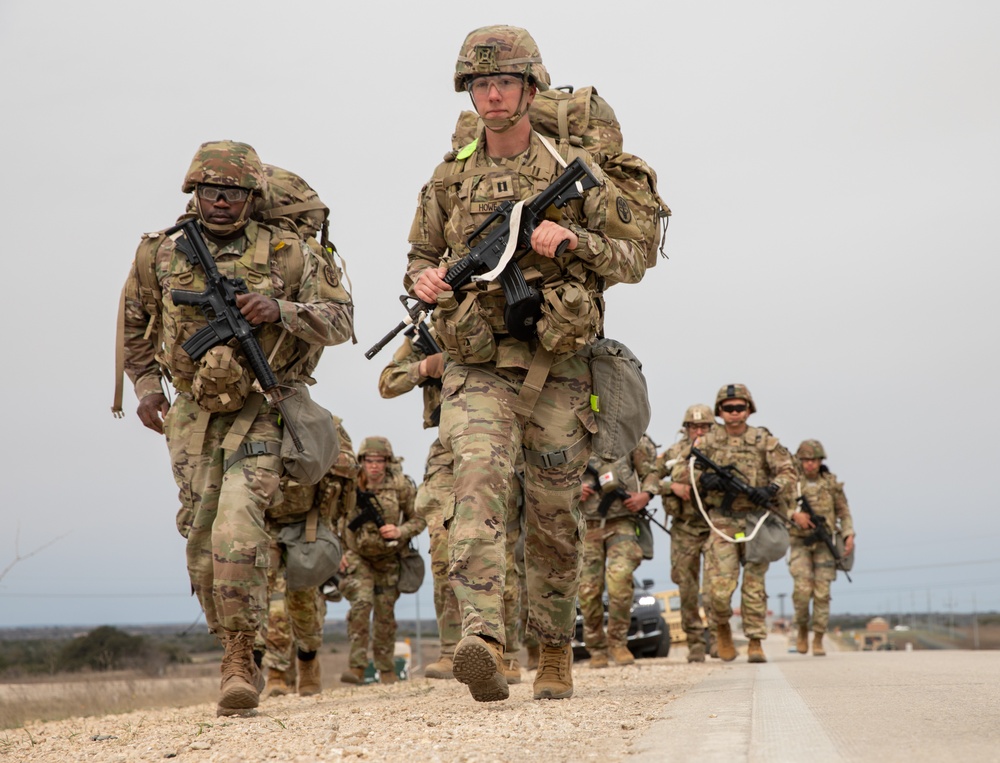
x=552, y=458
x=248, y=449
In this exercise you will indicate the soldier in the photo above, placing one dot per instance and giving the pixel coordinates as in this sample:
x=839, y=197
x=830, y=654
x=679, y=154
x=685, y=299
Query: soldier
x=223, y=439
x=767, y=467
x=488, y=414
x=610, y=548
x=296, y=618
x=811, y=564
x=689, y=532
x=370, y=567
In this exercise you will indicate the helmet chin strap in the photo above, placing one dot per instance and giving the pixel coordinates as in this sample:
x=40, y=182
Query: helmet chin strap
x=502, y=125
x=224, y=231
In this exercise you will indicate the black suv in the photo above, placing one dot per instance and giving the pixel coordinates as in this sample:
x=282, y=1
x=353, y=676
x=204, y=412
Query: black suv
x=648, y=634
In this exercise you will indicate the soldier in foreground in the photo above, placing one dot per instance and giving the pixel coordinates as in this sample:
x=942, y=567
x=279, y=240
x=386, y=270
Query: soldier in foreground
x=488, y=414
x=374, y=534
x=689, y=532
x=611, y=552
x=767, y=467
x=223, y=438
x=811, y=563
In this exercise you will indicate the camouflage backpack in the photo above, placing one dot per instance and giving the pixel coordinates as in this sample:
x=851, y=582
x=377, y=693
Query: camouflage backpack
x=583, y=118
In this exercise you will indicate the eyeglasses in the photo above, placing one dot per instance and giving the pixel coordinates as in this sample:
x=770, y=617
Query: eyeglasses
x=503, y=83
x=374, y=460
x=698, y=426
x=213, y=192
x=738, y=408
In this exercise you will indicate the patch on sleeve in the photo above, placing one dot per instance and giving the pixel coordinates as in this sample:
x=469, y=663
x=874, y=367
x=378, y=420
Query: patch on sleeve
x=624, y=213
x=330, y=274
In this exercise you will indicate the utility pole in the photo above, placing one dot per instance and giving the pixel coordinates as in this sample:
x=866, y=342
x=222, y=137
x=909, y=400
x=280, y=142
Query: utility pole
x=781, y=605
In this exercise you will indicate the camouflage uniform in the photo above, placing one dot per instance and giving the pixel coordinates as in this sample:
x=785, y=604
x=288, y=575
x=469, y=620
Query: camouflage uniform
x=811, y=564
x=763, y=461
x=611, y=551
x=372, y=570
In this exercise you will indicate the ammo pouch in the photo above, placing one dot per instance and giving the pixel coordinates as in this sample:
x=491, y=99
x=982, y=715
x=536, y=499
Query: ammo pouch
x=570, y=319
x=411, y=570
x=315, y=428
x=462, y=330
x=220, y=384
x=312, y=553
x=620, y=399
x=644, y=535
x=771, y=541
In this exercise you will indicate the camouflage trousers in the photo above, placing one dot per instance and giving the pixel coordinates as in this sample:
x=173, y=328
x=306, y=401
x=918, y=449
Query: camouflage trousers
x=688, y=543
x=722, y=575
x=370, y=586
x=813, y=569
x=610, y=553
x=222, y=512
x=295, y=618
x=479, y=424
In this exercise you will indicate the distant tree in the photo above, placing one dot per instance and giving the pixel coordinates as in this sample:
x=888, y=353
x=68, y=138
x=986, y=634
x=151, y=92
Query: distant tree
x=104, y=648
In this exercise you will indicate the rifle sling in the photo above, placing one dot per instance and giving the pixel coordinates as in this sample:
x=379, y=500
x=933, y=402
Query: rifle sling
x=312, y=522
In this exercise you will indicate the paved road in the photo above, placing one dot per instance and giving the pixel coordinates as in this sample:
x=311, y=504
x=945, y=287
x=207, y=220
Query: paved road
x=848, y=706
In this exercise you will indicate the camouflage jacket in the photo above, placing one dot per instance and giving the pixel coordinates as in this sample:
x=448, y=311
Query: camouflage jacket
x=395, y=494
x=827, y=499
x=756, y=453
x=316, y=311
x=636, y=473
x=403, y=374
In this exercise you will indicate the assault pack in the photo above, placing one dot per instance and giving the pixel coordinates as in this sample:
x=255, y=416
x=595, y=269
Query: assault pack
x=583, y=118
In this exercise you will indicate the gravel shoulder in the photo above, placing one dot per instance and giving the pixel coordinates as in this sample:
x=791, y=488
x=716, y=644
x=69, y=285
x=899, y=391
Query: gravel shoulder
x=416, y=720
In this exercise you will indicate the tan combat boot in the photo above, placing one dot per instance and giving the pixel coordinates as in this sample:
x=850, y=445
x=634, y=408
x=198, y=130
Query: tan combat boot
x=755, y=652
x=309, y=679
x=621, y=655
x=696, y=651
x=387, y=676
x=724, y=641
x=353, y=676
x=512, y=670
x=533, y=657
x=440, y=669
x=478, y=663
x=242, y=680
x=554, y=679
x=802, y=640
x=598, y=658
x=278, y=683
x=818, y=650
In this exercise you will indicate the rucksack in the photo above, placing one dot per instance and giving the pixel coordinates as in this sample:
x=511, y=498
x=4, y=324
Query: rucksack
x=583, y=118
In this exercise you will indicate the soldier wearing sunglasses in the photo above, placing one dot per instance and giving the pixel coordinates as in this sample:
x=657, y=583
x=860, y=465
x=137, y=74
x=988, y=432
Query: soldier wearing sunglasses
x=767, y=466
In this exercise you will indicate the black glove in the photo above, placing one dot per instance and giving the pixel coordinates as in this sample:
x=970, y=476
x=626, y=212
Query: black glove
x=711, y=481
x=761, y=496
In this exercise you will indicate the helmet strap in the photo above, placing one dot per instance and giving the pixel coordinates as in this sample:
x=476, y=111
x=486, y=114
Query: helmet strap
x=225, y=231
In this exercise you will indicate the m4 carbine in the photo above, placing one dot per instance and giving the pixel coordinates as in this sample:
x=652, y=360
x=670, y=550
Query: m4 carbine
x=523, y=302
x=734, y=486
x=609, y=496
x=370, y=512
x=822, y=532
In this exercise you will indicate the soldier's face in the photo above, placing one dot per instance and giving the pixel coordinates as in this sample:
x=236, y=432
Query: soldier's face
x=374, y=468
x=498, y=96
x=735, y=416
x=697, y=430
x=811, y=466
x=217, y=209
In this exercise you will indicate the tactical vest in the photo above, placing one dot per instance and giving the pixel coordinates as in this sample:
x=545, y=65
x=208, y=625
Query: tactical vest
x=747, y=452
x=820, y=494
x=393, y=494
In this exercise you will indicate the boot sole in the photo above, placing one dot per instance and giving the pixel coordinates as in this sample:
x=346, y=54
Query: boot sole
x=476, y=667
x=441, y=674
x=550, y=694
x=755, y=658
x=239, y=700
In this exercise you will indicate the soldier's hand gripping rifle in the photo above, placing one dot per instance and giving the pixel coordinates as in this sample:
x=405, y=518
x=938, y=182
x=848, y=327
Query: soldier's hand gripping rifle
x=822, y=532
x=611, y=491
x=734, y=486
x=496, y=254
x=225, y=321
x=424, y=343
x=370, y=512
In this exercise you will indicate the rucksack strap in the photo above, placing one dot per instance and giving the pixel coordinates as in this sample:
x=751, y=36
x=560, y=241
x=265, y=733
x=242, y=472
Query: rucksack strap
x=553, y=458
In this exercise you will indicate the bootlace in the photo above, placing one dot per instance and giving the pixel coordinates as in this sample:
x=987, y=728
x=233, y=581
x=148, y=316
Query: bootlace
x=239, y=654
x=550, y=662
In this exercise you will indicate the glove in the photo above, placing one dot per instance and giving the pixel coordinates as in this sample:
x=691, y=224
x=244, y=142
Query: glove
x=761, y=496
x=711, y=481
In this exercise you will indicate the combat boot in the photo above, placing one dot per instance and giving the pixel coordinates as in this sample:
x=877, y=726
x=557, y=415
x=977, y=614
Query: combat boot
x=353, y=676
x=713, y=646
x=696, y=652
x=387, y=676
x=818, y=650
x=309, y=680
x=554, y=679
x=802, y=641
x=533, y=657
x=478, y=663
x=755, y=652
x=242, y=681
x=278, y=684
x=724, y=640
x=512, y=670
x=440, y=669
x=598, y=658
x=621, y=655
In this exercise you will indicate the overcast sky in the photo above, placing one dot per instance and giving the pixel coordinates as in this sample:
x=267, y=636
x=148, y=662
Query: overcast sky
x=833, y=170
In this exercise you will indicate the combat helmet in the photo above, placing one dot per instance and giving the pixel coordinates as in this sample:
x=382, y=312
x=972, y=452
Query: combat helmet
x=810, y=449
x=698, y=414
x=375, y=446
x=733, y=391
x=227, y=162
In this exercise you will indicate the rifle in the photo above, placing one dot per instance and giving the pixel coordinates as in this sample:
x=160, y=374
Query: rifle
x=225, y=321
x=734, y=485
x=523, y=302
x=618, y=493
x=370, y=512
x=822, y=532
x=424, y=343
